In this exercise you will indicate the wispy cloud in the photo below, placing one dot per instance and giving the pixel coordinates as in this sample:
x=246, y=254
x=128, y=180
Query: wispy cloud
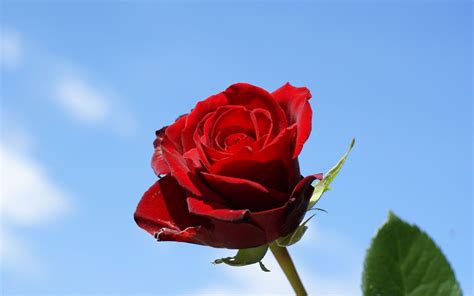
x=80, y=96
x=90, y=103
x=11, y=49
x=83, y=101
x=29, y=197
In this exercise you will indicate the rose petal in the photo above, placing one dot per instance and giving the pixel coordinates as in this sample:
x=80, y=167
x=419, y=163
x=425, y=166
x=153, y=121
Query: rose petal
x=222, y=136
x=255, y=170
x=238, y=117
x=163, y=212
x=207, y=124
x=185, y=174
x=260, y=166
x=174, y=131
x=214, y=210
x=238, y=141
x=202, y=108
x=188, y=235
x=158, y=163
x=245, y=194
x=231, y=235
x=226, y=120
x=262, y=121
x=302, y=193
x=280, y=221
x=253, y=97
x=214, y=155
x=194, y=156
x=178, y=166
x=164, y=206
x=198, y=143
x=294, y=101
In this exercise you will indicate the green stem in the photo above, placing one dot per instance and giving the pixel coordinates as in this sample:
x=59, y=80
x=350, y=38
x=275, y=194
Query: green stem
x=283, y=257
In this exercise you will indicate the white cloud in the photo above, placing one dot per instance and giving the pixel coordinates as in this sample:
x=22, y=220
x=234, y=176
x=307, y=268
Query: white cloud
x=11, y=49
x=318, y=242
x=28, y=195
x=81, y=100
x=79, y=96
x=28, y=198
x=89, y=103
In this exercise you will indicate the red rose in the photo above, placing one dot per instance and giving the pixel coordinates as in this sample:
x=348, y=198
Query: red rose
x=232, y=178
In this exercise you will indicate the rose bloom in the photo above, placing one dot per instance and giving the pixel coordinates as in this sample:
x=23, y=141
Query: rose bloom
x=229, y=170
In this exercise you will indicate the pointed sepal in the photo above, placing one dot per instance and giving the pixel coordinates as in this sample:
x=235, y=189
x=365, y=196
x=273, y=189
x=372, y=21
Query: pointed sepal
x=246, y=257
x=323, y=185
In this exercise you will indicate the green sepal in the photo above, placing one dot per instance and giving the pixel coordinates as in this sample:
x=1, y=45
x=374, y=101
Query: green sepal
x=294, y=236
x=246, y=257
x=323, y=185
x=403, y=260
x=263, y=267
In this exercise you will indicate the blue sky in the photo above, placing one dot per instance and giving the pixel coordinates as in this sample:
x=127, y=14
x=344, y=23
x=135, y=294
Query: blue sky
x=85, y=85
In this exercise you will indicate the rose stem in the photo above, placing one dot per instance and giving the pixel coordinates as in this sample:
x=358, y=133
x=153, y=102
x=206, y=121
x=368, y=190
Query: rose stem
x=283, y=257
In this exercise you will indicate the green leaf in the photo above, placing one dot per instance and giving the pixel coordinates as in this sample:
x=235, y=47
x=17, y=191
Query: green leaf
x=246, y=257
x=294, y=236
x=323, y=185
x=403, y=260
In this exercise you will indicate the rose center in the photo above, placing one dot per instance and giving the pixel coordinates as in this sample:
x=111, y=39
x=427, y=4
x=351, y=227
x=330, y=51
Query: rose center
x=235, y=142
x=234, y=139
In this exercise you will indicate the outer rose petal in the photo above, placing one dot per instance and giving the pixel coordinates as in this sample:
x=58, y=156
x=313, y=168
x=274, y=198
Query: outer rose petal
x=215, y=211
x=158, y=163
x=280, y=221
x=294, y=101
x=172, y=132
x=163, y=212
x=188, y=235
x=178, y=166
x=235, y=235
x=298, y=210
x=184, y=172
x=161, y=207
x=245, y=194
x=194, y=157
